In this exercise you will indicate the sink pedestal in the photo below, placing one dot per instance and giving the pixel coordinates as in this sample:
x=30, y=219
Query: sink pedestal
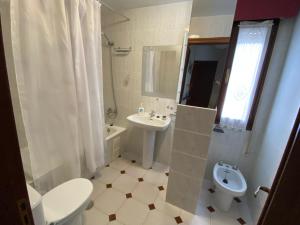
x=148, y=148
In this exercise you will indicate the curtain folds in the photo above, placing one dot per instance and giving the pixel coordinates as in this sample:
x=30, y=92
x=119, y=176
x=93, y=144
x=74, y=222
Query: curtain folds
x=250, y=50
x=57, y=55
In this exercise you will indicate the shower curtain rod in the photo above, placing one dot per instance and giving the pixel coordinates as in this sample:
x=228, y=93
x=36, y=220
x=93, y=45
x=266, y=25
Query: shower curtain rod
x=113, y=10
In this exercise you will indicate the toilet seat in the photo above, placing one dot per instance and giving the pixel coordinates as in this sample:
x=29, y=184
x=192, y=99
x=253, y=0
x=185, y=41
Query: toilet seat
x=66, y=199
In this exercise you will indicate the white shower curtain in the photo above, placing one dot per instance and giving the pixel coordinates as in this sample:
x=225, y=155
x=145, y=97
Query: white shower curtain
x=57, y=55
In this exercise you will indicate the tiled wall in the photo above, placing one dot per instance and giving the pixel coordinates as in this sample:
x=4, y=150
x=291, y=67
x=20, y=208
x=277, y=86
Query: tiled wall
x=149, y=26
x=193, y=128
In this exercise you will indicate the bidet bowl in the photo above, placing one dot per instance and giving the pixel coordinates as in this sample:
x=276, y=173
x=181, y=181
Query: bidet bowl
x=229, y=183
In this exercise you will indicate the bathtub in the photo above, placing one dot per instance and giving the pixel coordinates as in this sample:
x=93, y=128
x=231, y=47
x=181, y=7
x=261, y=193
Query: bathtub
x=113, y=135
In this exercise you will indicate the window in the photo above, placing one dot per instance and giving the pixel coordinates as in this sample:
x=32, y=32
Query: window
x=248, y=63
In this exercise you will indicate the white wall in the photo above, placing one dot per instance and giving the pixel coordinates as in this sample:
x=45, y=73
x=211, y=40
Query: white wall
x=149, y=26
x=211, y=26
x=268, y=143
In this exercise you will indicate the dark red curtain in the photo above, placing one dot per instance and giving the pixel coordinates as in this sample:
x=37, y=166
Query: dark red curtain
x=266, y=9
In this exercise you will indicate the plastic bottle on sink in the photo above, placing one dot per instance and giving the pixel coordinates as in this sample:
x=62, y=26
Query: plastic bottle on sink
x=141, y=109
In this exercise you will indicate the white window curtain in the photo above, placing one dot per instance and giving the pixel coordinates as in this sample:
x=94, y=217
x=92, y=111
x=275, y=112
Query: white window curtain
x=57, y=55
x=250, y=50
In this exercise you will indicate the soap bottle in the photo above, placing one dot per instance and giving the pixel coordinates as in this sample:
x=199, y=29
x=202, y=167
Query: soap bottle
x=141, y=109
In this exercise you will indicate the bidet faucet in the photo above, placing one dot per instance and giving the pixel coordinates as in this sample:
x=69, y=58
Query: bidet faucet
x=235, y=167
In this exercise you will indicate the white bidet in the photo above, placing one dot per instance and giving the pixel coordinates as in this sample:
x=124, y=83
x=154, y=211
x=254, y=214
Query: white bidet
x=229, y=183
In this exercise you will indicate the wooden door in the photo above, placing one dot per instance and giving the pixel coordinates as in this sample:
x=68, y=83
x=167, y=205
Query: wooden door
x=203, y=76
x=14, y=203
x=283, y=204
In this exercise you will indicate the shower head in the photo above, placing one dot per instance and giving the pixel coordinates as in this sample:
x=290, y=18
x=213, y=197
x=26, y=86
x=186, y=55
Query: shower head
x=109, y=42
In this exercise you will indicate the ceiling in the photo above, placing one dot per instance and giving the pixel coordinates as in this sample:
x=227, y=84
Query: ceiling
x=131, y=4
x=200, y=7
x=213, y=7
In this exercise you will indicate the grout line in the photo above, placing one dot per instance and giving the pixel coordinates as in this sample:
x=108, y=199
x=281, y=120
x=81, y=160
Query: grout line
x=190, y=177
x=188, y=154
x=193, y=132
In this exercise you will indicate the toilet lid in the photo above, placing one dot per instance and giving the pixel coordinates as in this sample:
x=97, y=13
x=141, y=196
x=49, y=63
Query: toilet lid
x=65, y=199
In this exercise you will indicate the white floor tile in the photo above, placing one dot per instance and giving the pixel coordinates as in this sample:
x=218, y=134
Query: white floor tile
x=135, y=210
x=94, y=217
x=191, y=219
x=132, y=212
x=205, y=197
x=135, y=171
x=167, y=208
x=158, y=167
x=145, y=192
x=108, y=175
x=98, y=188
x=220, y=218
x=125, y=183
x=162, y=194
x=115, y=222
x=156, y=178
x=155, y=217
x=109, y=201
x=241, y=210
x=119, y=164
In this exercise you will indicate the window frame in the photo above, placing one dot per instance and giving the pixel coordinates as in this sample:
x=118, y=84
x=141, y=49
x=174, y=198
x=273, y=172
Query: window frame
x=262, y=75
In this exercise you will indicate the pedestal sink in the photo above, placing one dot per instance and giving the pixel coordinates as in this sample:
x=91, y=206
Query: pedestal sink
x=150, y=125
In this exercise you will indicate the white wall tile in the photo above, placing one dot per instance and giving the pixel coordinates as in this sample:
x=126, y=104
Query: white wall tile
x=191, y=143
x=182, y=184
x=150, y=26
x=195, y=119
x=188, y=165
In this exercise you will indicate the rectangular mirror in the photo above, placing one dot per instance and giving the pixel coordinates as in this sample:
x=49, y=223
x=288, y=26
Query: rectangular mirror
x=203, y=77
x=206, y=54
x=160, y=71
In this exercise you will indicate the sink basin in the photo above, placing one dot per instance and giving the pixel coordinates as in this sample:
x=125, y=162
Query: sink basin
x=145, y=121
x=150, y=126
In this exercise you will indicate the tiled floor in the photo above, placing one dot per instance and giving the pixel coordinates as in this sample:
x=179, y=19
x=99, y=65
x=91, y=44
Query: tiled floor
x=126, y=194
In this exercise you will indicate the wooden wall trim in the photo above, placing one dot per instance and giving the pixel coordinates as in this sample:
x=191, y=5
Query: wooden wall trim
x=207, y=41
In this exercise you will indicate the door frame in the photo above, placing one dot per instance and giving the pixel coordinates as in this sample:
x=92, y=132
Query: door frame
x=282, y=206
x=14, y=204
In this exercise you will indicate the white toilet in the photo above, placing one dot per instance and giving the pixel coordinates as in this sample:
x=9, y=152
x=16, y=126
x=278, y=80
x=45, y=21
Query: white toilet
x=63, y=205
x=229, y=183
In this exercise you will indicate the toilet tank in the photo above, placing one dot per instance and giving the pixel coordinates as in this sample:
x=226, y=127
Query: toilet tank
x=36, y=206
